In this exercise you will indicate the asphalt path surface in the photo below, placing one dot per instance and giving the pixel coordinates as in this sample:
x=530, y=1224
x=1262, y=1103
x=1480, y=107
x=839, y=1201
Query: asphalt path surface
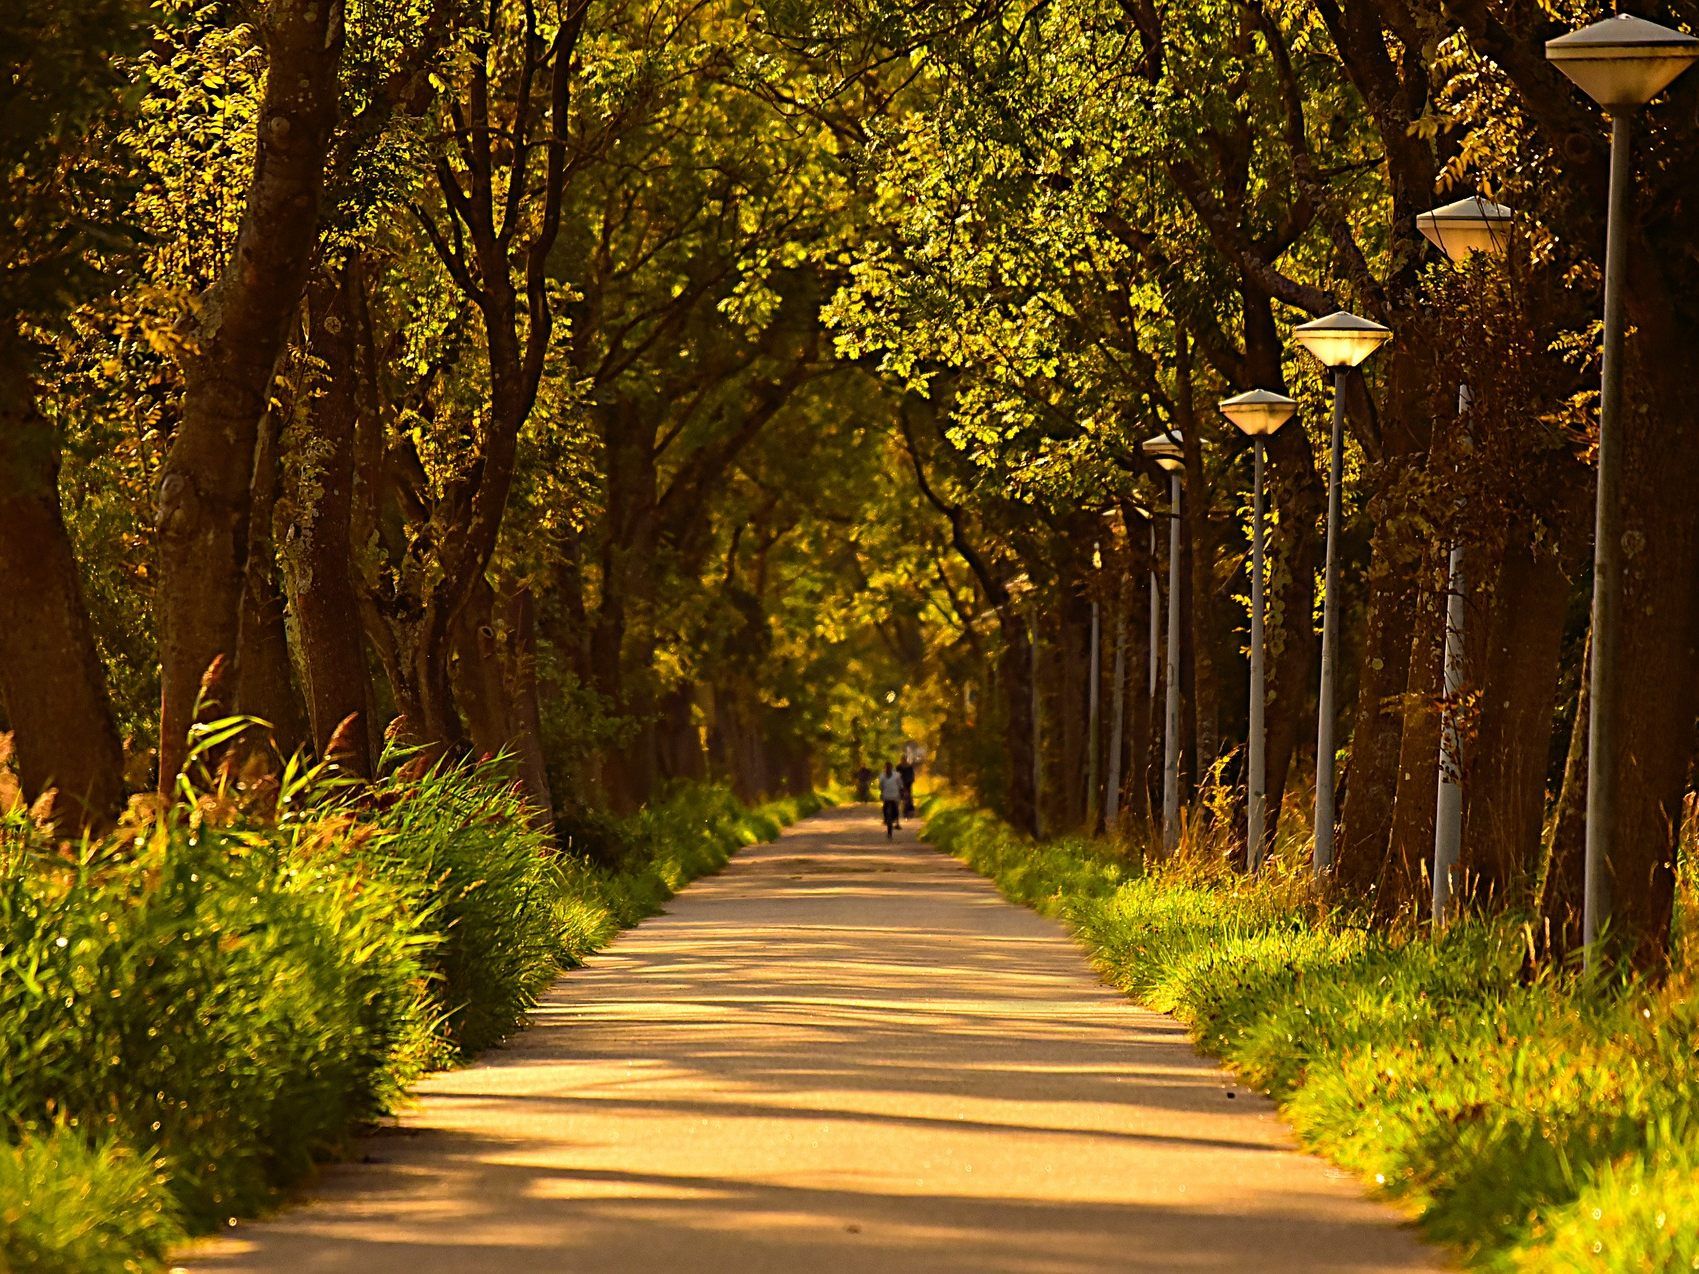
x=841, y=1054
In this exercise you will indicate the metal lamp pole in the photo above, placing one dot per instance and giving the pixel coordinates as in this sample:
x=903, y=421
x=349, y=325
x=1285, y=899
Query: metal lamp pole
x=1165, y=449
x=1458, y=230
x=1339, y=342
x=1621, y=63
x=1258, y=414
x=1094, y=699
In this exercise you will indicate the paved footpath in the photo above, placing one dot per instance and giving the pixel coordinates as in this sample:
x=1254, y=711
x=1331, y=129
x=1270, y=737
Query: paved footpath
x=838, y=1055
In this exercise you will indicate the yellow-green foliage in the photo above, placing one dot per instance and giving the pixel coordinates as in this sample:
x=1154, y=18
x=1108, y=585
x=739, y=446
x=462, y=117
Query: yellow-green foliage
x=1536, y=1124
x=68, y=1206
x=197, y=1008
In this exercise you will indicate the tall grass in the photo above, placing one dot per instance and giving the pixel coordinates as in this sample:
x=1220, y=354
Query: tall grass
x=1535, y=1125
x=199, y=1007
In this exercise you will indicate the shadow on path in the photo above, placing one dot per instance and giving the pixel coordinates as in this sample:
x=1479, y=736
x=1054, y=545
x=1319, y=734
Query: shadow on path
x=840, y=1055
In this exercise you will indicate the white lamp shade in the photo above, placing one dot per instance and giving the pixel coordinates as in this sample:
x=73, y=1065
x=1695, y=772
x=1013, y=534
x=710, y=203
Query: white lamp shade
x=1341, y=339
x=1165, y=449
x=1469, y=225
x=1623, y=62
x=1259, y=412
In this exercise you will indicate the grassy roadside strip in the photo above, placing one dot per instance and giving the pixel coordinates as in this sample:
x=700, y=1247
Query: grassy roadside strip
x=1533, y=1126
x=197, y=1009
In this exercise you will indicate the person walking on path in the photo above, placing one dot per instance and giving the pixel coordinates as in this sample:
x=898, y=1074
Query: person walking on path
x=891, y=793
x=905, y=771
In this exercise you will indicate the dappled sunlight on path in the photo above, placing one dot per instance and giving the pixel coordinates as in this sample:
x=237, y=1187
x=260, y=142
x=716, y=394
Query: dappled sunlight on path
x=839, y=1055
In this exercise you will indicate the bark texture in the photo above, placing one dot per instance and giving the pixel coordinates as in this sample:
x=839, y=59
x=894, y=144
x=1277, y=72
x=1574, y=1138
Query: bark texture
x=204, y=509
x=51, y=677
x=318, y=554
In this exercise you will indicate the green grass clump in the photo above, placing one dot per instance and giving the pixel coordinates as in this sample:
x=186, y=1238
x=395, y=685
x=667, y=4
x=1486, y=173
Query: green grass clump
x=691, y=832
x=463, y=840
x=68, y=1206
x=199, y=1007
x=1535, y=1125
x=234, y=997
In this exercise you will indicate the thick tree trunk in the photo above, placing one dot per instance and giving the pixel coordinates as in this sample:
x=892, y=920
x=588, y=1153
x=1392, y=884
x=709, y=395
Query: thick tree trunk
x=203, y=490
x=1512, y=750
x=265, y=675
x=496, y=686
x=1658, y=643
x=1070, y=691
x=479, y=687
x=318, y=541
x=1382, y=674
x=1383, y=659
x=1015, y=674
x=1293, y=649
x=680, y=739
x=50, y=672
x=1565, y=874
x=1410, y=853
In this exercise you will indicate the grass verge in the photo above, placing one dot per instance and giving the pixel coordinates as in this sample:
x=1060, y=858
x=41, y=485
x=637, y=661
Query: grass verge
x=199, y=1007
x=1535, y=1126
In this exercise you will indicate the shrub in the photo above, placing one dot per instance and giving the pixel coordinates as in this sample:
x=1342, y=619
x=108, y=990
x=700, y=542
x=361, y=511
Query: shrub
x=237, y=997
x=462, y=838
x=71, y=1207
x=198, y=1007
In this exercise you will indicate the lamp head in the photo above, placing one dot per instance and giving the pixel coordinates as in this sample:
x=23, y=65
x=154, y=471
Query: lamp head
x=1259, y=412
x=1467, y=226
x=1341, y=339
x=1165, y=449
x=1623, y=62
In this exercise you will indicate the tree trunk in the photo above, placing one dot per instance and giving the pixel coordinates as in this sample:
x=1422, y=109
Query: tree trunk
x=1565, y=874
x=479, y=688
x=1411, y=848
x=680, y=739
x=1292, y=649
x=1015, y=675
x=1658, y=642
x=1512, y=749
x=204, y=483
x=1069, y=691
x=496, y=686
x=265, y=676
x=1383, y=674
x=318, y=543
x=55, y=690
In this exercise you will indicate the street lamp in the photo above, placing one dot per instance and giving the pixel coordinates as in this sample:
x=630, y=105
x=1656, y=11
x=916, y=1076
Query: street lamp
x=1621, y=63
x=1459, y=230
x=1094, y=698
x=1467, y=226
x=1166, y=450
x=1258, y=414
x=1339, y=342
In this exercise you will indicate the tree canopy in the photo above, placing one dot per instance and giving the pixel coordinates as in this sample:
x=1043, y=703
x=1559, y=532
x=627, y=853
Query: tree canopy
x=645, y=390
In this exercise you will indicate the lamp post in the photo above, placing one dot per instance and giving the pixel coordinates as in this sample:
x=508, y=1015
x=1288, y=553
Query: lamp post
x=1094, y=724
x=1258, y=414
x=1621, y=63
x=1458, y=230
x=1339, y=342
x=1165, y=449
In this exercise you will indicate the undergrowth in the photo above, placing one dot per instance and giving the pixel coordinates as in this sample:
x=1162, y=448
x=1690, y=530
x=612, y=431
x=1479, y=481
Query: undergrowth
x=1536, y=1125
x=197, y=1008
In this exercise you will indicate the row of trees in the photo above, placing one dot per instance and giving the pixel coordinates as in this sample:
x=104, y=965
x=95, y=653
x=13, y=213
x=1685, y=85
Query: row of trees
x=650, y=388
x=450, y=368
x=1107, y=216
